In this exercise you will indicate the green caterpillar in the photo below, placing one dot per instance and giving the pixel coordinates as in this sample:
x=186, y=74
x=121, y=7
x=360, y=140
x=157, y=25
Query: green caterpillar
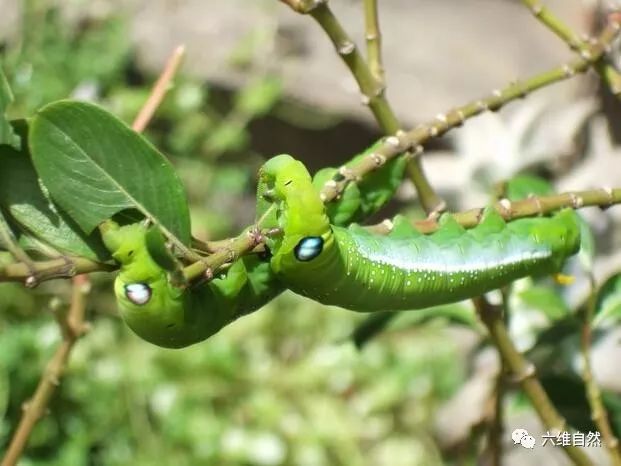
x=171, y=316
x=348, y=267
x=354, y=269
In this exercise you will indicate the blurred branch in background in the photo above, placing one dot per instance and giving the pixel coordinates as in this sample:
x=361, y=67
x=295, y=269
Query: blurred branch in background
x=594, y=396
x=72, y=326
x=72, y=323
x=372, y=89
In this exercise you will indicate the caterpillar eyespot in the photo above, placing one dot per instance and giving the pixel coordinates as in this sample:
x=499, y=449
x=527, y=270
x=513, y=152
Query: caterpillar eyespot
x=138, y=293
x=308, y=248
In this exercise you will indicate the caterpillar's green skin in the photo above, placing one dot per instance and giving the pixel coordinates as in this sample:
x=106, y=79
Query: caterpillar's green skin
x=173, y=317
x=404, y=270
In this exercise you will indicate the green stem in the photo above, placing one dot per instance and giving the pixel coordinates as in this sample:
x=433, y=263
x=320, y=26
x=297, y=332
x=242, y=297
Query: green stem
x=374, y=40
x=530, y=207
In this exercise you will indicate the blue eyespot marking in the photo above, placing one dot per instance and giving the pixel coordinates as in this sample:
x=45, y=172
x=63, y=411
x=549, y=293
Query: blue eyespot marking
x=308, y=248
x=138, y=293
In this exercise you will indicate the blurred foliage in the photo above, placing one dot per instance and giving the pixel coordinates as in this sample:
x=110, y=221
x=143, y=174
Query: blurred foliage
x=286, y=385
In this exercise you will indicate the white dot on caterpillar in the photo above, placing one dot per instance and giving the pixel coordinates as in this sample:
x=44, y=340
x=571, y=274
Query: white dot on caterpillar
x=408, y=283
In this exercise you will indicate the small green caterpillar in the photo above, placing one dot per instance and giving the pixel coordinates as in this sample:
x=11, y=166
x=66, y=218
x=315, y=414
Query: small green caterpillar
x=174, y=317
x=354, y=269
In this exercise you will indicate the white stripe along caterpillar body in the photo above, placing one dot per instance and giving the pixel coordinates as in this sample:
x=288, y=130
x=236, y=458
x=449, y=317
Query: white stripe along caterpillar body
x=354, y=269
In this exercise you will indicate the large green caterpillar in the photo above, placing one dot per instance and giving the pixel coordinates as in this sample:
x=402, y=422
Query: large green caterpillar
x=174, y=317
x=354, y=269
x=349, y=267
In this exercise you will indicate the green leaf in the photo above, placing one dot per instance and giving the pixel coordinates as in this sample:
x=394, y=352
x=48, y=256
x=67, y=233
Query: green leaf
x=522, y=186
x=7, y=135
x=608, y=304
x=345, y=209
x=22, y=197
x=95, y=166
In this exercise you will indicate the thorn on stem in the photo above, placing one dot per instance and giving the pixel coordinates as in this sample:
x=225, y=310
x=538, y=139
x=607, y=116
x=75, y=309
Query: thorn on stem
x=505, y=205
x=378, y=159
x=346, y=48
x=31, y=281
x=576, y=201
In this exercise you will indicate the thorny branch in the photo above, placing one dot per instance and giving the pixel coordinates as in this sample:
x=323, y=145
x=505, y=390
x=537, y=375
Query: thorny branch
x=413, y=139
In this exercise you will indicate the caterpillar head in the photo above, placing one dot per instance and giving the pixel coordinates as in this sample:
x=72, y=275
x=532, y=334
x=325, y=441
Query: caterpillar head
x=301, y=214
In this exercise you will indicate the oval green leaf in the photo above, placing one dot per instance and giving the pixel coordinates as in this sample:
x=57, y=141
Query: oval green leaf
x=95, y=166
